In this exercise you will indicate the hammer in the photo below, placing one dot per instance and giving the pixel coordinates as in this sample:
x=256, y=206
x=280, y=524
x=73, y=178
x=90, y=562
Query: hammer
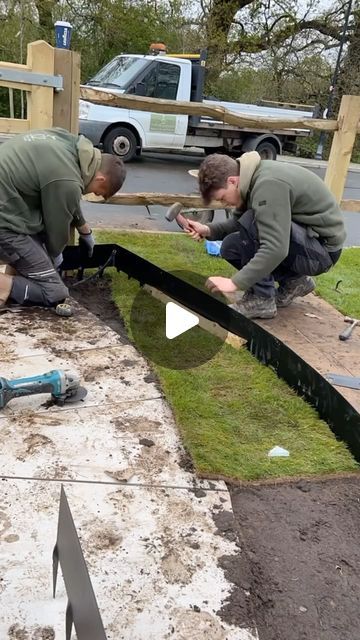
x=345, y=335
x=174, y=213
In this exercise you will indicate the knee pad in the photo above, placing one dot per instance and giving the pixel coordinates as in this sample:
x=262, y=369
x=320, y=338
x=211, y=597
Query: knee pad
x=46, y=294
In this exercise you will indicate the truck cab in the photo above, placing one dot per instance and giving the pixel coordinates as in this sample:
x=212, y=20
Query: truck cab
x=126, y=132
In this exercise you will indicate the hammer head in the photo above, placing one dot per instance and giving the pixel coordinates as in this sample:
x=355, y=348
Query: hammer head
x=351, y=320
x=173, y=211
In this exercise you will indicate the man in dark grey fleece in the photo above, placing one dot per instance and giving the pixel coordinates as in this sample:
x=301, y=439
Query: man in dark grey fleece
x=286, y=227
x=42, y=176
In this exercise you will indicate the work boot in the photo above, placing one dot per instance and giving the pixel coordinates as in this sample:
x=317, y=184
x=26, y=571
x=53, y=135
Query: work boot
x=294, y=288
x=252, y=306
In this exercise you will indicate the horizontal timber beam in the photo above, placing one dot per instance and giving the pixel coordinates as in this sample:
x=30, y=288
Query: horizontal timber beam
x=14, y=125
x=217, y=112
x=189, y=201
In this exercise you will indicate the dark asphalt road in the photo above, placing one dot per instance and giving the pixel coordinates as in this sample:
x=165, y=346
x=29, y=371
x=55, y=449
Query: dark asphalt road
x=168, y=174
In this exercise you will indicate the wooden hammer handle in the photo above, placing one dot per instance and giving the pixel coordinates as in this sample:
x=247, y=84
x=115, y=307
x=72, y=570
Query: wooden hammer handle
x=182, y=222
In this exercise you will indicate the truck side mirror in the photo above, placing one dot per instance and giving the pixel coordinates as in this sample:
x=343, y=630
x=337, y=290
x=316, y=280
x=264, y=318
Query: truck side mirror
x=140, y=89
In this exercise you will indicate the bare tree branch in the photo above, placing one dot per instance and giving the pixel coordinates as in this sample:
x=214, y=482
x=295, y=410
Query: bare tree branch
x=282, y=17
x=255, y=43
x=323, y=27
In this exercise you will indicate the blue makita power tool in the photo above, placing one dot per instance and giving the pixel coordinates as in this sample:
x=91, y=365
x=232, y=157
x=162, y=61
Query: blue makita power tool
x=64, y=387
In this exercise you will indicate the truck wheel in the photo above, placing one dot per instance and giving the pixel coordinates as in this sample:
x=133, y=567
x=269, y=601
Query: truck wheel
x=121, y=142
x=266, y=150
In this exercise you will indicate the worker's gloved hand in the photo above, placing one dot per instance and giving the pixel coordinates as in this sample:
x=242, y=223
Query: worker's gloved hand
x=88, y=240
x=58, y=260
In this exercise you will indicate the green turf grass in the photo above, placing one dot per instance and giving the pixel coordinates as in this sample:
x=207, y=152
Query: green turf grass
x=347, y=297
x=232, y=410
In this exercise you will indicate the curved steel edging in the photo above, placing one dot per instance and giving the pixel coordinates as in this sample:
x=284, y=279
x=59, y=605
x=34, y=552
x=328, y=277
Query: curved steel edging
x=342, y=417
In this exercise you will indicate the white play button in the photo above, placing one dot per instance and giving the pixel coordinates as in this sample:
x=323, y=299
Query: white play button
x=155, y=324
x=178, y=320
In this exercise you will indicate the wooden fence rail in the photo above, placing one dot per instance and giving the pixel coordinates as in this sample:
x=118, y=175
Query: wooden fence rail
x=345, y=128
x=188, y=201
x=217, y=112
x=350, y=205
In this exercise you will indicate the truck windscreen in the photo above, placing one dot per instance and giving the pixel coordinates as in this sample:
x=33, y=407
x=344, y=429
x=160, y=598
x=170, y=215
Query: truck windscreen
x=119, y=72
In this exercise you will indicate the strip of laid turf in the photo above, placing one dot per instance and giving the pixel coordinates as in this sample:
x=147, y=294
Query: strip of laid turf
x=231, y=411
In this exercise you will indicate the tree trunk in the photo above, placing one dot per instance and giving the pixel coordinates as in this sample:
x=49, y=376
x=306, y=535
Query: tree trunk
x=218, y=25
x=45, y=10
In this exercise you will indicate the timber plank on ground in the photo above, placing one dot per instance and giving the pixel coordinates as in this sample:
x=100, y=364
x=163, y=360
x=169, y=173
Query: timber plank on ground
x=311, y=328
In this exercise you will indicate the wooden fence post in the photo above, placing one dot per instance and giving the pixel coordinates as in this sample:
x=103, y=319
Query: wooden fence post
x=40, y=59
x=66, y=102
x=75, y=92
x=342, y=145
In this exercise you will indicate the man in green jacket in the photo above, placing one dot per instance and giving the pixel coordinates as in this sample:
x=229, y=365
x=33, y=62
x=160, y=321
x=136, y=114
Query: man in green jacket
x=286, y=227
x=42, y=177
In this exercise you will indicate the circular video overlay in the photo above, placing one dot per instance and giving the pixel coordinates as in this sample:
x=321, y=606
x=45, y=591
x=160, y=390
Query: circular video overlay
x=170, y=335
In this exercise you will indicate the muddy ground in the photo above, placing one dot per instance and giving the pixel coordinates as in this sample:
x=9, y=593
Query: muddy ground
x=301, y=558
x=300, y=544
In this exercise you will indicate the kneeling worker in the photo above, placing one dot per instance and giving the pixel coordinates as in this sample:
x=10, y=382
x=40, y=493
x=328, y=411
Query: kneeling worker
x=42, y=177
x=286, y=227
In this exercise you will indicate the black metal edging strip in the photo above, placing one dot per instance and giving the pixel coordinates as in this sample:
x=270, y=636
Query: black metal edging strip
x=82, y=610
x=332, y=407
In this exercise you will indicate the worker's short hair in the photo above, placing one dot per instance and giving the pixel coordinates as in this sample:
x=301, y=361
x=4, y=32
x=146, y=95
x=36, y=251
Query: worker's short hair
x=214, y=172
x=114, y=169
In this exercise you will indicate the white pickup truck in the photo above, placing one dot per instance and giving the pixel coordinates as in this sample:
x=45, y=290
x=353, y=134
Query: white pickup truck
x=127, y=132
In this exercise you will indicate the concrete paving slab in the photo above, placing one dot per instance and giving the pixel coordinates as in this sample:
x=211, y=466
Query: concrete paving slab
x=110, y=375
x=147, y=525
x=41, y=330
x=152, y=556
x=128, y=443
x=10, y=350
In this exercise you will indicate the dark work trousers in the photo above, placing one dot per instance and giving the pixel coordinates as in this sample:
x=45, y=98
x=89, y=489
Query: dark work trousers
x=37, y=282
x=307, y=256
